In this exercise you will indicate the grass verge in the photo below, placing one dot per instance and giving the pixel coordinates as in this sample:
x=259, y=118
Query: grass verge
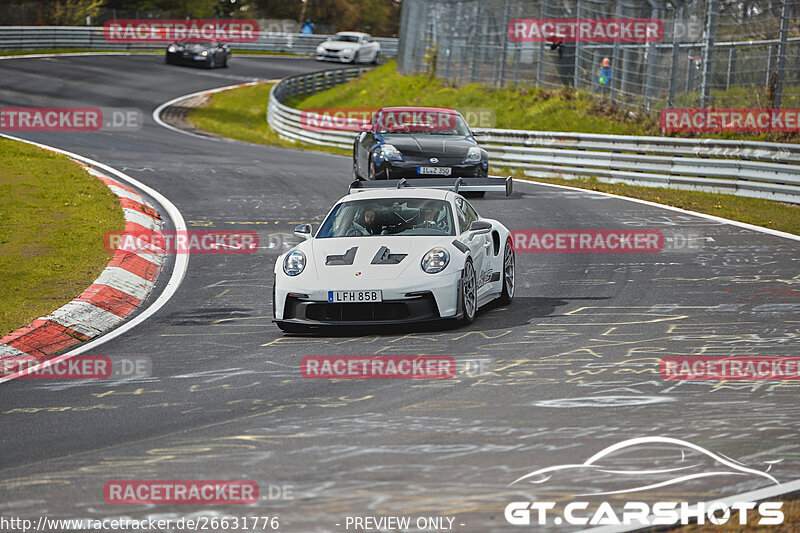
x=52, y=221
x=522, y=107
x=241, y=114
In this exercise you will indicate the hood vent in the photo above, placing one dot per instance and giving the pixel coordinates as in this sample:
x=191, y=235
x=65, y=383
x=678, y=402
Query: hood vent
x=345, y=259
x=384, y=257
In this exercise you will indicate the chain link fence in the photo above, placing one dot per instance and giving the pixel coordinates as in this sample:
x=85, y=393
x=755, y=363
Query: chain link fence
x=712, y=52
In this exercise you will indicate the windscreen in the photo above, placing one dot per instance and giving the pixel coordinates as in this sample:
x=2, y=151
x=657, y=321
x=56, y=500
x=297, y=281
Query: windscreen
x=345, y=38
x=394, y=216
x=421, y=122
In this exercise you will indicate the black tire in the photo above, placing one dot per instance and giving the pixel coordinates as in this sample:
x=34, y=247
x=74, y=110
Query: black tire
x=356, y=59
x=371, y=175
x=376, y=58
x=356, y=176
x=469, y=294
x=508, y=275
x=227, y=61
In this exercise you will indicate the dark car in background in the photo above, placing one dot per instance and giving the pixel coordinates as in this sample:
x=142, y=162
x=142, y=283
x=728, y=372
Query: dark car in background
x=417, y=142
x=208, y=55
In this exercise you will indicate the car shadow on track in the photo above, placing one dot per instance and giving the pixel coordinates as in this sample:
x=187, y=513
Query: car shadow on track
x=491, y=317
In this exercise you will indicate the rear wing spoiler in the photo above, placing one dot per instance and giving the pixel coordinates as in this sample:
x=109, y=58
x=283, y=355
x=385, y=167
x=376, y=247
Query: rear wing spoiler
x=458, y=185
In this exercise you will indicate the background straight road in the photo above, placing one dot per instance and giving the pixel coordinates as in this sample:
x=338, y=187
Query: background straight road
x=571, y=365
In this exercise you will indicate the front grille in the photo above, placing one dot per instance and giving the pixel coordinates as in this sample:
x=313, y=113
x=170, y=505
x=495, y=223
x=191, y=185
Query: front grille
x=421, y=308
x=358, y=312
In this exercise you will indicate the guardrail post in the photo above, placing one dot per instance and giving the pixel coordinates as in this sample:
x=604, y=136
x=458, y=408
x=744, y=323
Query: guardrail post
x=616, y=80
x=731, y=59
x=676, y=52
x=770, y=54
x=782, y=54
x=505, y=43
x=708, y=50
x=540, y=57
x=576, y=75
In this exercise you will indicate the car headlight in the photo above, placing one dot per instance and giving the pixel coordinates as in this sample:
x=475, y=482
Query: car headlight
x=435, y=260
x=320, y=49
x=204, y=53
x=294, y=263
x=172, y=48
x=473, y=154
x=347, y=51
x=391, y=153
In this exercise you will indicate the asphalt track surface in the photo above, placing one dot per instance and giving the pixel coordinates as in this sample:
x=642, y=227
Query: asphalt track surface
x=570, y=367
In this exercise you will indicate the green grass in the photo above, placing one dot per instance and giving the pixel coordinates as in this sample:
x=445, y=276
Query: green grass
x=242, y=114
x=52, y=220
x=514, y=108
x=765, y=213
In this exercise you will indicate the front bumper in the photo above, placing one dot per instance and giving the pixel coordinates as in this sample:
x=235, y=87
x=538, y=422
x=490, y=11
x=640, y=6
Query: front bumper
x=335, y=56
x=395, y=170
x=433, y=299
x=178, y=58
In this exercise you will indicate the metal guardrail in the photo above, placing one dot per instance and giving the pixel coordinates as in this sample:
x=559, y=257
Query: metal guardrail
x=743, y=168
x=91, y=37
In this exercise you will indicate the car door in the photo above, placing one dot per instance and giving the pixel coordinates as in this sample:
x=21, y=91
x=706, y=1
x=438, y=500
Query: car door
x=370, y=48
x=479, y=245
x=364, y=142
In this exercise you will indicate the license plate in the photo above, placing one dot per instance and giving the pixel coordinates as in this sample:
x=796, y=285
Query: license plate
x=339, y=297
x=198, y=58
x=438, y=171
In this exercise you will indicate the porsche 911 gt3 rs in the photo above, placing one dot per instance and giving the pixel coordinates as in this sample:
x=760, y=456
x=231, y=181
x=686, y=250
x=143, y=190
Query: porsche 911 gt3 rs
x=390, y=254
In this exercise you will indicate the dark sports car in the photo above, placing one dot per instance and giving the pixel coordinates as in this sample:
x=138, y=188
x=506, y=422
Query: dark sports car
x=412, y=142
x=208, y=55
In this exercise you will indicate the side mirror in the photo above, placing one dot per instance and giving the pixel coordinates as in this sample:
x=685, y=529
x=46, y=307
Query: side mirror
x=303, y=231
x=479, y=227
x=365, y=127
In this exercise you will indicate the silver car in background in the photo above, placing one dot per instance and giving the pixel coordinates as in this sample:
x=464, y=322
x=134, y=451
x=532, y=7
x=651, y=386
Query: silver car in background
x=349, y=47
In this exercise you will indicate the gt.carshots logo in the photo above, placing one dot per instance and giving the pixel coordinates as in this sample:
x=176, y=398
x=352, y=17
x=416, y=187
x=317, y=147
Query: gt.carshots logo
x=688, y=462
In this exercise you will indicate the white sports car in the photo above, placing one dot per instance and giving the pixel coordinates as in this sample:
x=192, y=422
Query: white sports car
x=388, y=253
x=350, y=47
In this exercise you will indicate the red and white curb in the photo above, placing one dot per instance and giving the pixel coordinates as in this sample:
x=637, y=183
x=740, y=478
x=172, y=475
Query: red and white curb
x=119, y=290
